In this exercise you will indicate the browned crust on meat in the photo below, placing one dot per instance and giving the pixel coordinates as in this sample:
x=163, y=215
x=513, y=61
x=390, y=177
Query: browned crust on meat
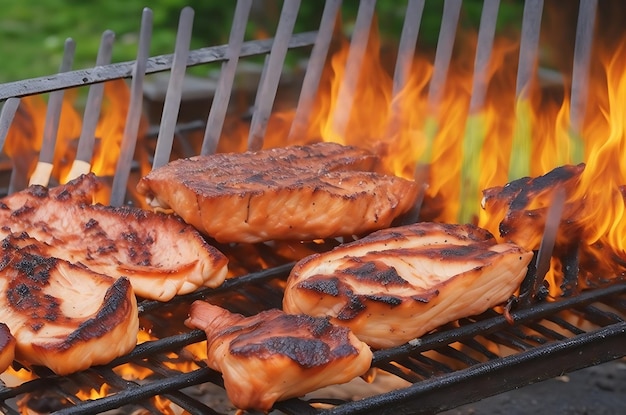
x=299, y=192
x=397, y=284
x=52, y=325
x=272, y=356
x=7, y=347
x=160, y=254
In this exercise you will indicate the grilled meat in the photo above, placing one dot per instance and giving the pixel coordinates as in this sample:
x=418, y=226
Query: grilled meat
x=63, y=316
x=7, y=347
x=399, y=283
x=299, y=192
x=160, y=254
x=273, y=356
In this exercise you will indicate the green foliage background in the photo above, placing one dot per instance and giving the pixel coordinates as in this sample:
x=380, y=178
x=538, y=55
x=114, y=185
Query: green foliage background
x=32, y=32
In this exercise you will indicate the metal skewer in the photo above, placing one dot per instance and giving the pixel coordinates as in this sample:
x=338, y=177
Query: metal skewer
x=84, y=152
x=519, y=164
x=217, y=114
x=6, y=118
x=314, y=69
x=133, y=118
x=580, y=75
x=272, y=71
x=43, y=170
x=354, y=63
x=475, y=133
x=174, y=89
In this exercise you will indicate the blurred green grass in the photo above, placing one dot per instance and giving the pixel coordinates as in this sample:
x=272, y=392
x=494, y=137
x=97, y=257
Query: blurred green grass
x=32, y=32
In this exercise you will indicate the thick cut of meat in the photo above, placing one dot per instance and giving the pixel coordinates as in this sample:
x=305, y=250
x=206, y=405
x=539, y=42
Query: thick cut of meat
x=160, y=254
x=7, y=347
x=300, y=192
x=399, y=283
x=273, y=356
x=63, y=316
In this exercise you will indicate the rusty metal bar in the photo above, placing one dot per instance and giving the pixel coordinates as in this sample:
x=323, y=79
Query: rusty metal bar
x=133, y=118
x=174, y=90
x=219, y=107
x=268, y=87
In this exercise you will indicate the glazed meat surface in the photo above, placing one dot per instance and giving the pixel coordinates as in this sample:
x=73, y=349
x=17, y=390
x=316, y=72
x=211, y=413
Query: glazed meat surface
x=300, y=192
x=63, y=316
x=399, y=283
x=160, y=254
x=273, y=356
x=7, y=347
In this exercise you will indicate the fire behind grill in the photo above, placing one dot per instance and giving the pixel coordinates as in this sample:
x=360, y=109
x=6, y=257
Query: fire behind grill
x=463, y=362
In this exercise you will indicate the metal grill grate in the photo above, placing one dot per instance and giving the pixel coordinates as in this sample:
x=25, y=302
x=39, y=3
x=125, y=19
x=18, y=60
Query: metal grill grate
x=453, y=366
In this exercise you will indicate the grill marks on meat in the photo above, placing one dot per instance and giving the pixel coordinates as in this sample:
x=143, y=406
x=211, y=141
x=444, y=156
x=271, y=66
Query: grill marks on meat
x=397, y=284
x=273, y=356
x=160, y=254
x=7, y=347
x=63, y=316
x=301, y=192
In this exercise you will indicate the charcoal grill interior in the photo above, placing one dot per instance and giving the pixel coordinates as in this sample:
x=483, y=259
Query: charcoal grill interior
x=462, y=362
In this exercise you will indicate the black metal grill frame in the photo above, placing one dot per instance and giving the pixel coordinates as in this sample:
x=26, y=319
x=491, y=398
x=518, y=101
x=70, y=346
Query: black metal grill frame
x=544, y=345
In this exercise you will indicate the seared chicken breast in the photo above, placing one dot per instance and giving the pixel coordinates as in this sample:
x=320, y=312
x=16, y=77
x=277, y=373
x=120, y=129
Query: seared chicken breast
x=63, y=316
x=300, y=192
x=160, y=254
x=399, y=283
x=7, y=347
x=273, y=356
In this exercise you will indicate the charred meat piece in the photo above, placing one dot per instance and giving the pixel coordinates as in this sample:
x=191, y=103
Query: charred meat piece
x=7, y=347
x=273, y=356
x=63, y=316
x=300, y=192
x=517, y=211
x=160, y=254
x=399, y=283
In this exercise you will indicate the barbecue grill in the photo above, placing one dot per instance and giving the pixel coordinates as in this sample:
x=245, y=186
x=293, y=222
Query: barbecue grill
x=463, y=362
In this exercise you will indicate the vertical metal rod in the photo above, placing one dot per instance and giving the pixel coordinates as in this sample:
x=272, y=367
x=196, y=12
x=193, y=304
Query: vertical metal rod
x=356, y=55
x=84, y=152
x=519, y=163
x=443, y=55
x=269, y=85
x=42, y=172
x=474, y=134
x=6, y=118
x=133, y=118
x=580, y=75
x=486, y=35
x=406, y=47
x=531, y=26
x=314, y=69
x=219, y=107
x=174, y=92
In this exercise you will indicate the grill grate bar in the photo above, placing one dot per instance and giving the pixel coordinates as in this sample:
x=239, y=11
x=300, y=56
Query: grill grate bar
x=155, y=64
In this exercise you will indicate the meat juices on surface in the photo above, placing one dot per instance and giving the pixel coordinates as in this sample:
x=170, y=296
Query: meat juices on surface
x=7, y=347
x=399, y=283
x=274, y=356
x=160, y=254
x=63, y=316
x=309, y=192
